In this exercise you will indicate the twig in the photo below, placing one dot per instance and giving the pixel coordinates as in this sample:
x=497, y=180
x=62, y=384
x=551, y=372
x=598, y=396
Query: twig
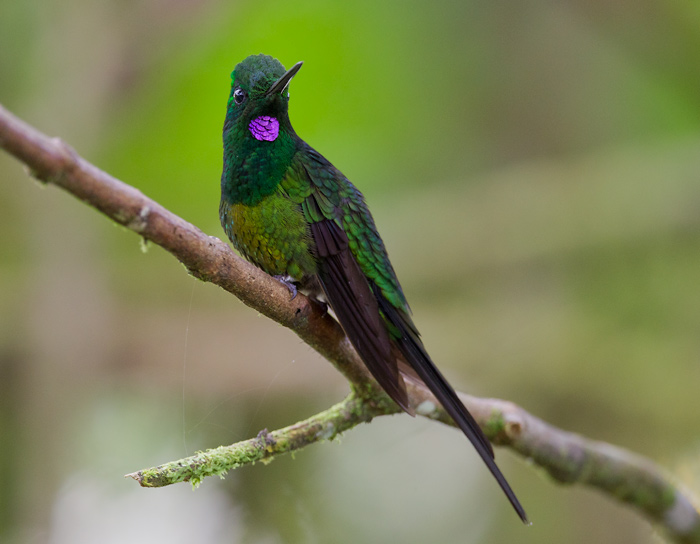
x=567, y=457
x=325, y=425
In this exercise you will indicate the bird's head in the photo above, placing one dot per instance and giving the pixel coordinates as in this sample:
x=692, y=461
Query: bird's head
x=259, y=98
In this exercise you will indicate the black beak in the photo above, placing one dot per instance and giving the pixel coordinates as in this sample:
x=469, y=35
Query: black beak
x=281, y=84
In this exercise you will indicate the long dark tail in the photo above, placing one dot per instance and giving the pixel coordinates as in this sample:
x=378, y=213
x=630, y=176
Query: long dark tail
x=361, y=310
x=412, y=349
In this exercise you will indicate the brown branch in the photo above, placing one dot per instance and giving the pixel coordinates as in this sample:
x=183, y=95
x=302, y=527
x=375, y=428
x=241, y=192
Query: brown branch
x=567, y=457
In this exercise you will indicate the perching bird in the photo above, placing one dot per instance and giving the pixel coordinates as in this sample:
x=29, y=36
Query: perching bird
x=290, y=212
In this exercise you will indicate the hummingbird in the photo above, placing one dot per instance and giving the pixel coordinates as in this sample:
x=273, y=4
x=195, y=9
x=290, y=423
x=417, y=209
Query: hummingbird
x=294, y=215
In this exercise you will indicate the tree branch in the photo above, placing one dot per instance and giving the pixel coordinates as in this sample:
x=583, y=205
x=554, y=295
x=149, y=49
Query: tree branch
x=325, y=425
x=567, y=457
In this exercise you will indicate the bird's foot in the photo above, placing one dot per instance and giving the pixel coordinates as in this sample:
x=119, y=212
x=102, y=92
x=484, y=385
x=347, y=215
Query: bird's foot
x=288, y=282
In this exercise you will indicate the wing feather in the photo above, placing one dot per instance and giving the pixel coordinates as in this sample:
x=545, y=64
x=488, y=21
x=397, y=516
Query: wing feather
x=352, y=300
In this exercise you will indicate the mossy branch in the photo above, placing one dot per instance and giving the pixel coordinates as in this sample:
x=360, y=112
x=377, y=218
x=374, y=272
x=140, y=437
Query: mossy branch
x=567, y=457
x=325, y=425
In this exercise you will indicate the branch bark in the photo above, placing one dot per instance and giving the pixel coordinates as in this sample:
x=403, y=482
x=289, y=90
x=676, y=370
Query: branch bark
x=567, y=457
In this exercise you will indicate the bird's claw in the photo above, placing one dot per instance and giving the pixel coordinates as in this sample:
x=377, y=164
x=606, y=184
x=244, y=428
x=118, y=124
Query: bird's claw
x=288, y=282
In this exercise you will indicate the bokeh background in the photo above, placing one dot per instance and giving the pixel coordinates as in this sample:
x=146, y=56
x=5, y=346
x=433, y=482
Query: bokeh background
x=534, y=168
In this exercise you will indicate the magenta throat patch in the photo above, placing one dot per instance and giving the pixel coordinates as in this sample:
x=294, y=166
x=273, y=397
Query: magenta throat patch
x=265, y=128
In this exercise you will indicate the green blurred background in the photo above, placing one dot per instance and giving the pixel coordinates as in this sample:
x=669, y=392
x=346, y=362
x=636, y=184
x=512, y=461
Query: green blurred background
x=534, y=168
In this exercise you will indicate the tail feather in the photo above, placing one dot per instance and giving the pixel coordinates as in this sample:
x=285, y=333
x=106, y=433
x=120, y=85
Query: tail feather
x=416, y=356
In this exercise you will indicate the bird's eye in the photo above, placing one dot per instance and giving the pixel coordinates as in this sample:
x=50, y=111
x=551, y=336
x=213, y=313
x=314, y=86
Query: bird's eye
x=239, y=96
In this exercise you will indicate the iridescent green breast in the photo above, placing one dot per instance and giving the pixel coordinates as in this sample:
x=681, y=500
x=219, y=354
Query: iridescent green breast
x=273, y=235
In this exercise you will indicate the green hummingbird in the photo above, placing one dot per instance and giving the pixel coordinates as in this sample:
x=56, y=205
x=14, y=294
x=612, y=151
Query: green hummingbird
x=293, y=214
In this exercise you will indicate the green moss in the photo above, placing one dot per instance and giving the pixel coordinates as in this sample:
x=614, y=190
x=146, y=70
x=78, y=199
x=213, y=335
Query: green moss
x=495, y=424
x=668, y=497
x=324, y=426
